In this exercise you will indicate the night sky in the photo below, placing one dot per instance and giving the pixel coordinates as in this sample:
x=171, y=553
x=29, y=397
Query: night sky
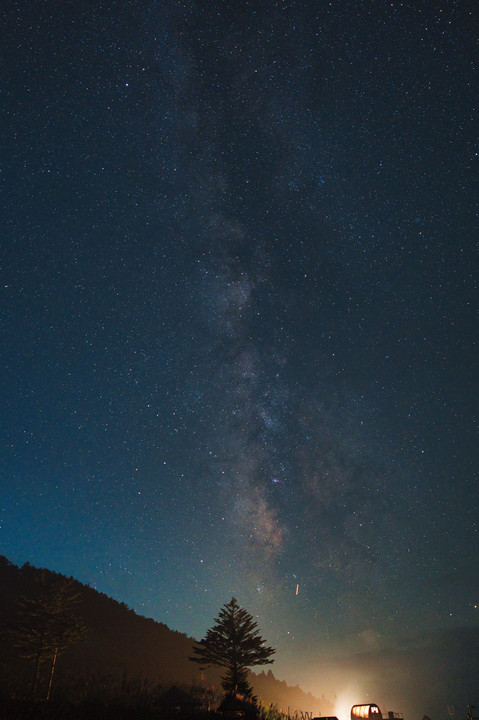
x=239, y=313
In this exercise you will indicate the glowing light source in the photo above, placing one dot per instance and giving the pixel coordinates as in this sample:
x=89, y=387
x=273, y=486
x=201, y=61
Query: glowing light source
x=366, y=711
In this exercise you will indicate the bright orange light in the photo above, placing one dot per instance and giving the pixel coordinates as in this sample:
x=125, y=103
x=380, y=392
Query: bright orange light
x=361, y=711
x=346, y=699
x=365, y=711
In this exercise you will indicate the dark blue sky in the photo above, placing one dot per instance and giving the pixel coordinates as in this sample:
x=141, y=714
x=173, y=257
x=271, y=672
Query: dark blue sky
x=239, y=313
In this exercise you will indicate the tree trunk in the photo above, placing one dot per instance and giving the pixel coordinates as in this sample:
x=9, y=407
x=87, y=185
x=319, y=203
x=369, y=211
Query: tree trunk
x=36, y=675
x=51, y=673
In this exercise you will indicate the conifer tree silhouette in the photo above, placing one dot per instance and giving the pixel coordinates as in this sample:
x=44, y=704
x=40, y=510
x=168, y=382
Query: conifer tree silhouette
x=235, y=644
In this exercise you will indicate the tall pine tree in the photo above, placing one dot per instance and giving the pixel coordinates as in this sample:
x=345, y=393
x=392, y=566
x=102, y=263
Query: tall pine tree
x=46, y=624
x=235, y=644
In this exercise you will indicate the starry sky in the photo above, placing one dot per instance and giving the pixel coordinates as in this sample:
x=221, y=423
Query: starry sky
x=239, y=312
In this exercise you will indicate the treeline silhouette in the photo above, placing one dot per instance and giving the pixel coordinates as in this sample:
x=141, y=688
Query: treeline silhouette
x=126, y=666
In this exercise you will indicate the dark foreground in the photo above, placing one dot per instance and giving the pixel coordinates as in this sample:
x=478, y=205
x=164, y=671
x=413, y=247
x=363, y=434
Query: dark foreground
x=29, y=710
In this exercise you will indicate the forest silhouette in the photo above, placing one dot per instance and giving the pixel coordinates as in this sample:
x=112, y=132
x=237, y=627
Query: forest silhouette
x=123, y=663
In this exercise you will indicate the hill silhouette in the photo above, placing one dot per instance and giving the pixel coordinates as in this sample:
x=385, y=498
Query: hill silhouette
x=121, y=647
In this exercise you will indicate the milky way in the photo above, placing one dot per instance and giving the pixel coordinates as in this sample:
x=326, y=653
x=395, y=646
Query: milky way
x=239, y=309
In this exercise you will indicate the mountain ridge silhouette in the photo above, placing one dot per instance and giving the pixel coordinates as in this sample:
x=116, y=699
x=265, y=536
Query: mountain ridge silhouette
x=122, y=644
